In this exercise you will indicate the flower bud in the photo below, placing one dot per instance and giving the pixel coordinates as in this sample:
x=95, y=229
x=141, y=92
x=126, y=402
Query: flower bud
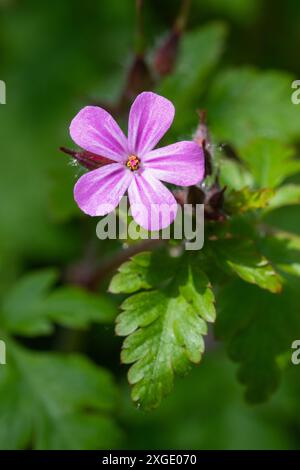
x=86, y=159
x=166, y=55
x=139, y=78
x=215, y=203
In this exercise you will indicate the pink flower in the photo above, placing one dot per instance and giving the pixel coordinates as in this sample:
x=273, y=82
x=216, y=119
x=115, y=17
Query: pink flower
x=135, y=166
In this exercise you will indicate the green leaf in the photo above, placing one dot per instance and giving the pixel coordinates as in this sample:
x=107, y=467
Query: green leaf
x=285, y=196
x=246, y=200
x=284, y=219
x=199, y=53
x=242, y=257
x=258, y=327
x=165, y=331
x=270, y=162
x=31, y=308
x=245, y=104
x=132, y=275
x=54, y=402
x=283, y=252
x=21, y=309
x=142, y=272
x=76, y=308
x=206, y=412
x=234, y=175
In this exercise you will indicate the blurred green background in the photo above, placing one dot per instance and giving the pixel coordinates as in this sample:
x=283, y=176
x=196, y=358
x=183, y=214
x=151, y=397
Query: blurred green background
x=56, y=57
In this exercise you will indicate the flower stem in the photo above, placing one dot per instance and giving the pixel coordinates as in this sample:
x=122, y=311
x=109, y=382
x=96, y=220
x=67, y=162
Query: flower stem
x=182, y=18
x=140, y=32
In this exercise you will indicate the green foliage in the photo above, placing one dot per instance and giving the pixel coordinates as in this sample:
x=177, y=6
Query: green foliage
x=283, y=252
x=31, y=308
x=270, y=162
x=246, y=200
x=132, y=275
x=234, y=175
x=207, y=411
x=258, y=327
x=51, y=401
x=287, y=195
x=191, y=74
x=54, y=402
x=252, y=111
x=164, y=330
x=246, y=104
x=21, y=307
x=64, y=401
x=206, y=42
x=141, y=272
x=242, y=257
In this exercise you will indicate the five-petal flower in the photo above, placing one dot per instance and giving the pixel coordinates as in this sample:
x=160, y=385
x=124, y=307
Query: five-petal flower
x=135, y=167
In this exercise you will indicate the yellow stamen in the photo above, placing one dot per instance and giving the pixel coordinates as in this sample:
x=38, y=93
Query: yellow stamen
x=133, y=162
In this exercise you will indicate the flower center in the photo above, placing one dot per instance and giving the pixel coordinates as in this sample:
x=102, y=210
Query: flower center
x=133, y=163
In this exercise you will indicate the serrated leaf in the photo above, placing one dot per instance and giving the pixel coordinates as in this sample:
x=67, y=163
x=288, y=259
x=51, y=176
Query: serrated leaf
x=142, y=271
x=270, y=162
x=258, y=327
x=165, y=331
x=132, y=275
x=210, y=396
x=59, y=402
x=245, y=104
x=242, y=257
x=248, y=199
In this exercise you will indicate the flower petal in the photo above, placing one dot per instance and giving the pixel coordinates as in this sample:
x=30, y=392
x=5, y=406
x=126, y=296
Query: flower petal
x=152, y=205
x=150, y=117
x=98, y=192
x=96, y=131
x=181, y=163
